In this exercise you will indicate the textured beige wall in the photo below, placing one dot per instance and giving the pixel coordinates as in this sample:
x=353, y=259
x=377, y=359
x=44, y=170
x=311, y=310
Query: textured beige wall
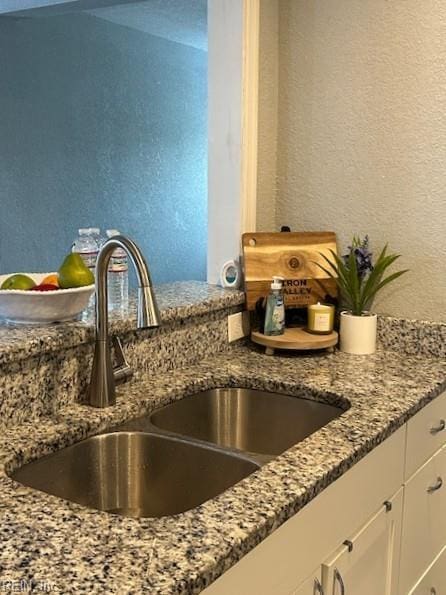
x=361, y=137
x=268, y=115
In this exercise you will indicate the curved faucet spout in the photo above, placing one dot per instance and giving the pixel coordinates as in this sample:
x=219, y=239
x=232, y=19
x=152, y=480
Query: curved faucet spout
x=102, y=384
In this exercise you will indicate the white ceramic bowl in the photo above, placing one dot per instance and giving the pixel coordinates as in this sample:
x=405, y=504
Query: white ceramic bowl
x=42, y=307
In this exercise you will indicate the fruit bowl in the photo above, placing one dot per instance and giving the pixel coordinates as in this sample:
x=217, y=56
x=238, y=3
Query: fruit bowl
x=42, y=307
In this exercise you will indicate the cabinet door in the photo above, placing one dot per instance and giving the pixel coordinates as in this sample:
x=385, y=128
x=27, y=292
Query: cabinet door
x=424, y=522
x=312, y=586
x=434, y=581
x=368, y=562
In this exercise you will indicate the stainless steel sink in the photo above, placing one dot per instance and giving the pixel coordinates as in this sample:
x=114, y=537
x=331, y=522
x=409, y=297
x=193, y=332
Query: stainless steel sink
x=136, y=474
x=156, y=465
x=249, y=420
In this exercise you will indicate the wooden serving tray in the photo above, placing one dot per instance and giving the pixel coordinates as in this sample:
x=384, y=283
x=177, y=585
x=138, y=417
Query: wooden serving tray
x=292, y=256
x=294, y=338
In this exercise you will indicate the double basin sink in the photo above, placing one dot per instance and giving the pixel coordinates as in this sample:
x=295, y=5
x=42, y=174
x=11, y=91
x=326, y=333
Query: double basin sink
x=179, y=456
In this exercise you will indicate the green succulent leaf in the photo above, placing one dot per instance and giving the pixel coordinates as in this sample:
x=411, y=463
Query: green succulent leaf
x=358, y=288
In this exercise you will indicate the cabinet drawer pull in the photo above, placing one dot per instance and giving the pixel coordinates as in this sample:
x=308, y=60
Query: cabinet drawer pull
x=317, y=590
x=338, y=578
x=437, y=485
x=441, y=426
x=433, y=591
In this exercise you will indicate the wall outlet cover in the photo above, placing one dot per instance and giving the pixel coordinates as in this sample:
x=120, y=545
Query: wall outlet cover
x=238, y=326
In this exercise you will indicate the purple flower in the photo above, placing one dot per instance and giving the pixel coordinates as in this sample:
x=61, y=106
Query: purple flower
x=363, y=256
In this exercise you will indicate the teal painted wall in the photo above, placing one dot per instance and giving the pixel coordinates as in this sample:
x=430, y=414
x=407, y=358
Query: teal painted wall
x=101, y=125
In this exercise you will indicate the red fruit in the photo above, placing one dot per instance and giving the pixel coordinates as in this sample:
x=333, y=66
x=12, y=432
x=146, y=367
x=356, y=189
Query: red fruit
x=44, y=287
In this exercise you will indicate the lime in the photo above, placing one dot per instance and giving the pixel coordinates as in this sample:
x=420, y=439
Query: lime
x=18, y=282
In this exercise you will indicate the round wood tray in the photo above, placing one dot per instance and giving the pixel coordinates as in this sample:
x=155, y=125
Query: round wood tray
x=294, y=338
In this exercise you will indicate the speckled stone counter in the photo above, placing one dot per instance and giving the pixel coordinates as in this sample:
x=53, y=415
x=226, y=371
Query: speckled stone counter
x=177, y=301
x=77, y=550
x=44, y=368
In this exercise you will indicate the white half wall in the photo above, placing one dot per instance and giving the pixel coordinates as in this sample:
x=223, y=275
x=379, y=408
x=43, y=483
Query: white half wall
x=225, y=43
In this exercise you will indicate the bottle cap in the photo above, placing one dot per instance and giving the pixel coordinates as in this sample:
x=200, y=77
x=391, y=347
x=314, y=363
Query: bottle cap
x=112, y=232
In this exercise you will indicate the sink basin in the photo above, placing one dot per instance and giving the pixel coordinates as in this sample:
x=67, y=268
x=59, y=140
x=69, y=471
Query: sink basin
x=249, y=420
x=136, y=474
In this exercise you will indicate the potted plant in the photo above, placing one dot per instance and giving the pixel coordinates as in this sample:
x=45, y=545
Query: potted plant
x=359, y=280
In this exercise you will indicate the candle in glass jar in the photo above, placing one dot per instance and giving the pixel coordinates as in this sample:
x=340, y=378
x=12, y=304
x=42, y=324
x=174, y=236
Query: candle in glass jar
x=320, y=318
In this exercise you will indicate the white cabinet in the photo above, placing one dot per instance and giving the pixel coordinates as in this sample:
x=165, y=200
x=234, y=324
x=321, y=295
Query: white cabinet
x=424, y=525
x=368, y=562
x=312, y=586
x=434, y=581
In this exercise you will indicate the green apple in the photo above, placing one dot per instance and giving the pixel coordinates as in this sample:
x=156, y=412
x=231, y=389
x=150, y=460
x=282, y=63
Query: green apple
x=18, y=282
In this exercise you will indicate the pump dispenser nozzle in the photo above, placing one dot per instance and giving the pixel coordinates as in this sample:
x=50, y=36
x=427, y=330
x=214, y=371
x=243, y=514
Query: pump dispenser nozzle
x=277, y=283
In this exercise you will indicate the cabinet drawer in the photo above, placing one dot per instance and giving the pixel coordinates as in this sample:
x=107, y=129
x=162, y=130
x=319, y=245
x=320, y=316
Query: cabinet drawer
x=434, y=581
x=426, y=433
x=424, y=521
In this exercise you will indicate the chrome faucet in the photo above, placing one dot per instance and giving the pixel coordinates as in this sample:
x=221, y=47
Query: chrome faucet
x=101, y=392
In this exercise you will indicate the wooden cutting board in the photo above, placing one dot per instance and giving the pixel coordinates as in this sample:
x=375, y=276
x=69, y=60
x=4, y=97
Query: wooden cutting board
x=293, y=256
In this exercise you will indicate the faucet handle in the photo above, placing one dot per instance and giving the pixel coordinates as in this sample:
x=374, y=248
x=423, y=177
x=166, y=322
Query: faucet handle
x=122, y=370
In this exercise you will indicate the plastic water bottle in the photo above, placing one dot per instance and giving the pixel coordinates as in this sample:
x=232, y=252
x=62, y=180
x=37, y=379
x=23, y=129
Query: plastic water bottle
x=87, y=246
x=118, y=277
x=96, y=233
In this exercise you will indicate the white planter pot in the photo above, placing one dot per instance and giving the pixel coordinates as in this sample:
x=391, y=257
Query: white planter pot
x=358, y=333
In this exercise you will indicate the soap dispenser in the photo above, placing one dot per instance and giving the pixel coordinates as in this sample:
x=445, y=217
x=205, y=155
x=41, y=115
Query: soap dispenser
x=275, y=309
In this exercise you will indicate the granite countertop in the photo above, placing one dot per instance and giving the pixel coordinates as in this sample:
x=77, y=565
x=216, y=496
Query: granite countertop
x=177, y=301
x=77, y=550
